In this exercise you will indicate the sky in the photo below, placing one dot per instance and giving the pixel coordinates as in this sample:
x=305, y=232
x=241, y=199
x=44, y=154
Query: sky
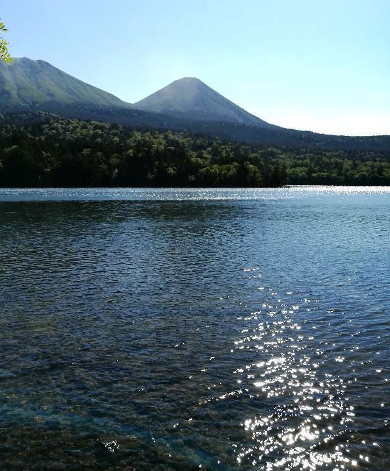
x=319, y=65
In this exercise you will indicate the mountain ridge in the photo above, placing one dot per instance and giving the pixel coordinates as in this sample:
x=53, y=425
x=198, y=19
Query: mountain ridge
x=30, y=83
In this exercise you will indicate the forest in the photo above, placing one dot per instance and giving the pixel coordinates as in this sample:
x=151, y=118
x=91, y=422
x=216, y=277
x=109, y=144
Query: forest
x=45, y=150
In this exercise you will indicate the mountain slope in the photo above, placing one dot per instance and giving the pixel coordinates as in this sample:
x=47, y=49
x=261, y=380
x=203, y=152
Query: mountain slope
x=28, y=83
x=190, y=98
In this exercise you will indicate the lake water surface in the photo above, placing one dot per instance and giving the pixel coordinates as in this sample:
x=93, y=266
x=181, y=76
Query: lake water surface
x=186, y=329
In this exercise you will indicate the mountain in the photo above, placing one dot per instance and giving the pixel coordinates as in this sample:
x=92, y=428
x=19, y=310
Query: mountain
x=30, y=84
x=34, y=85
x=190, y=98
x=37, y=85
x=28, y=87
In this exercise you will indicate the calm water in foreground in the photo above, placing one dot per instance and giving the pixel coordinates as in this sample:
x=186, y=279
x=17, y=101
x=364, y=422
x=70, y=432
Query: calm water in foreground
x=179, y=329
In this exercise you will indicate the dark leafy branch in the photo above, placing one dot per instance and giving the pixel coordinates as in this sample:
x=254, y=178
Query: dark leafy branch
x=4, y=54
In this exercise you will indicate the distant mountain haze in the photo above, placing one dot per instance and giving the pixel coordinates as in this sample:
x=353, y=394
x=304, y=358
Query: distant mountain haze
x=190, y=98
x=29, y=83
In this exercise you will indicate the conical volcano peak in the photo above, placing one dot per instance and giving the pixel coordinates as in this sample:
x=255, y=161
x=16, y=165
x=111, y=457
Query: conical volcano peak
x=189, y=80
x=183, y=86
x=191, y=98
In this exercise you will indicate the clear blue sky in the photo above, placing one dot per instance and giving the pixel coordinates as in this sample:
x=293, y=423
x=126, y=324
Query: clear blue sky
x=309, y=64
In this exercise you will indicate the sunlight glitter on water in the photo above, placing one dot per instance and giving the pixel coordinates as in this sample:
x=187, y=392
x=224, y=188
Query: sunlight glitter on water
x=185, y=194
x=307, y=410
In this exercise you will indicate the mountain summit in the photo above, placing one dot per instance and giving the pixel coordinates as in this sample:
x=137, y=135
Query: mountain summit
x=190, y=98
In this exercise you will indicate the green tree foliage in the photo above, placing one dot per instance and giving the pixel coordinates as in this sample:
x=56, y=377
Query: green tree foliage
x=40, y=150
x=4, y=54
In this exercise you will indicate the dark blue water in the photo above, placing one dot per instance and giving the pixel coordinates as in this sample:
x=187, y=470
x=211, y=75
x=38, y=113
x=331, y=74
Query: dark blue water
x=179, y=329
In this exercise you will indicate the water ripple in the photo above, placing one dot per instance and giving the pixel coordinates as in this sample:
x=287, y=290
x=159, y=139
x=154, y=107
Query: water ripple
x=178, y=329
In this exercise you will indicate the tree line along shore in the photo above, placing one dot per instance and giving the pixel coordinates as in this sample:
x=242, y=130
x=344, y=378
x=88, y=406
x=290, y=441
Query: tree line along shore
x=50, y=151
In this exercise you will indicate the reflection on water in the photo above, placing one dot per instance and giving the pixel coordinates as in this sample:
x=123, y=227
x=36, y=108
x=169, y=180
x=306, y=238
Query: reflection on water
x=164, y=329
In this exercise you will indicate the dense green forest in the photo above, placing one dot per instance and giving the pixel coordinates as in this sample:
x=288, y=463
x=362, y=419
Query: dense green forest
x=55, y=151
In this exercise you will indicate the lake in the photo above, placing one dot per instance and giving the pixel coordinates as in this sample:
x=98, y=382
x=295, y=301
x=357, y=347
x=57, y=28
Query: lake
x=177, y=329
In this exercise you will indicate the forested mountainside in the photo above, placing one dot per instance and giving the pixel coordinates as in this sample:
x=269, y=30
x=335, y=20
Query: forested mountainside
x=234, y=132
x=42, y=150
